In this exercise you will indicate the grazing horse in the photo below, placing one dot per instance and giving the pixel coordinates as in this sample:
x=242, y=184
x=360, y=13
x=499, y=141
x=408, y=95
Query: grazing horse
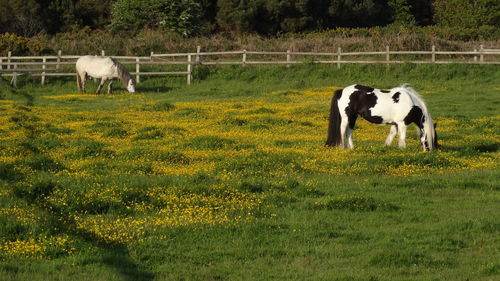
x=103, y=68
x=397, y=107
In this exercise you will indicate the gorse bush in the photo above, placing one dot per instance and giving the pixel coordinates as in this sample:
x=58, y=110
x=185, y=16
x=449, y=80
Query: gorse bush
x=145, y=41
x=23, y=45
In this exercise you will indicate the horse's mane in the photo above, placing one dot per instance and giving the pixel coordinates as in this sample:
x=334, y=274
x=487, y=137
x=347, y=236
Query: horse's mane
x=417, y=99
x=123, y=73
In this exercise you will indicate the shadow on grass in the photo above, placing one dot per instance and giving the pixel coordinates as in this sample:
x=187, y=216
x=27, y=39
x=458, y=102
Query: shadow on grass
x=115, y=255
x=488, y=147
x=153, y=89
x=61, y=222
x=473, y=149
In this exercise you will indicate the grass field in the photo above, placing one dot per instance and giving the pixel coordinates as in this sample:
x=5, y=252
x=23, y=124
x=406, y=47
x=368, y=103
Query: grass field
x=228, y=179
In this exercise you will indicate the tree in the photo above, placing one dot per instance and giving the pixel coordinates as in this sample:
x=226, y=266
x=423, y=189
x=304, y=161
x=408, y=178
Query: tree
x=358, y=13
x=422, y=11
x=401, y=14
x=180, y=16
x=32, y=17
x=209, y=13
x=239, y=15
x=21, y=17
x=274, y=16
x=95, y=14
x=467, y=13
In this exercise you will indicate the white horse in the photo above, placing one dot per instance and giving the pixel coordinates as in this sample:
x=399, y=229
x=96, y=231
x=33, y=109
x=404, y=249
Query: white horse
x=103, y=68
x=397, y=107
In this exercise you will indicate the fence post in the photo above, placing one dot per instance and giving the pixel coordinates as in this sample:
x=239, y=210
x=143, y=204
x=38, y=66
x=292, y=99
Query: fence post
x=9, y=54
x=339, y=57
x=44, y=60
x=481, y=53
x=244, y=59
x=475, y=56
x=433, y=54
x=189, y=68
x=137, y=69
x=59, y=54
x=103, y=53
x=198, y=51
x=13, y=82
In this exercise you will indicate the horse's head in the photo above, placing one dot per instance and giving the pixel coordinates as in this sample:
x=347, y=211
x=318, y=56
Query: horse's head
x=131, y=86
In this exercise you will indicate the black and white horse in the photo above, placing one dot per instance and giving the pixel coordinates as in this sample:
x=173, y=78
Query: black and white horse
x=104, y=68
x=397, y=107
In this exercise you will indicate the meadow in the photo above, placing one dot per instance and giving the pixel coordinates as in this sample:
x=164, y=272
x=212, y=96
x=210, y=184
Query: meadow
x=229, y=179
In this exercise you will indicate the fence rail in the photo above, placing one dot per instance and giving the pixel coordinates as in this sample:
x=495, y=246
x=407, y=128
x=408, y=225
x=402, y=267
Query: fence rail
x=45, y=66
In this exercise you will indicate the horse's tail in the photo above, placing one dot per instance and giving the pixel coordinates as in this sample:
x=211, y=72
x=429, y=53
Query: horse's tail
x=334, y=135
x=428, y=124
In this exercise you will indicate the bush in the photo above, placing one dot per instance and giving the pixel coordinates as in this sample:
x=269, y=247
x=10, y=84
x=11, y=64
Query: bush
x=12, y=42
x=20, y=45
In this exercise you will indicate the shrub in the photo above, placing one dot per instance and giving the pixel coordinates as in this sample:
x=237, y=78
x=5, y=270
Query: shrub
x=20, y=45
x=12, y=42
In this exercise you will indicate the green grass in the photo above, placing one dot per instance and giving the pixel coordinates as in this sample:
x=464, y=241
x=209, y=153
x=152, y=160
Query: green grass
x=323, y=214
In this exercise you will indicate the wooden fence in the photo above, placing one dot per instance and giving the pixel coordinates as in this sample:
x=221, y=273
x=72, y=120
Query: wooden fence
x=50, y=66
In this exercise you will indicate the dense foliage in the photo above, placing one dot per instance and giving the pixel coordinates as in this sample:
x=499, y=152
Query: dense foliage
x=178, y=16
x=473, y=13
x=267, y=17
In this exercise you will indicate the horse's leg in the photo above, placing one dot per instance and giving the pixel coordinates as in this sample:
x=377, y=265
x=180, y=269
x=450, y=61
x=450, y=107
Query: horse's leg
x=350, y=127
x=103, y=79
x=78, y=82
x=392, y=134
x=348, y=134
x=402, y=134
x=83, y=76
x=110, y=86
x=343, y=131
